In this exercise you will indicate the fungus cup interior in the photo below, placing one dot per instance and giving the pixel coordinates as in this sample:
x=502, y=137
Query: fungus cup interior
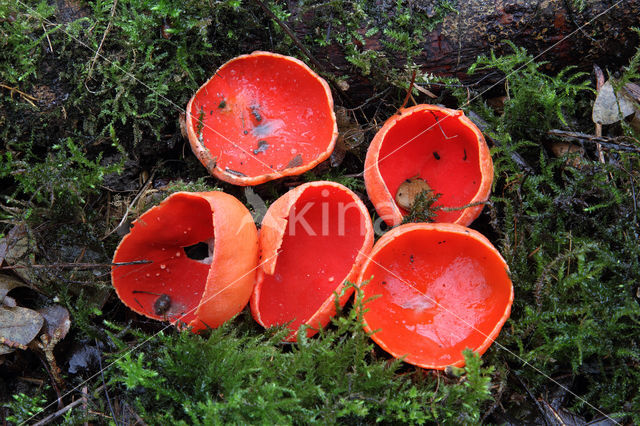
x=260, y=117
x=160, y=237
x=443, y=148
x=182, y=260
x=442, y=287
x=327, y=233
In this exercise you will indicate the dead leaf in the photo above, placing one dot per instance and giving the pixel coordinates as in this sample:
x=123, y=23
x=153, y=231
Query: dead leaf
x=340, y=150
x=425, y=91
x=609, y=108
x=56, y=321
x=342, y=85
x=635, y=122
x=182, y=119
x=18, y=326
x=633, y=90
x=599, y=76
x=9, y=240
x=18, y=248
x=561, y=149
x=560, y=416
x=8, y=283
x=350, y=136
x=497, y=103
x=295, y=162
x=15, y=244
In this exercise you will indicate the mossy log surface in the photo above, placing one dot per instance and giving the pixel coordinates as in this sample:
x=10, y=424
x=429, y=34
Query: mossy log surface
x=554, y=29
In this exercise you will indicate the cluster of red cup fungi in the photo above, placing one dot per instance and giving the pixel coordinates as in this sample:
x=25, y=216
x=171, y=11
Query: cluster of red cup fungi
x=441, y=286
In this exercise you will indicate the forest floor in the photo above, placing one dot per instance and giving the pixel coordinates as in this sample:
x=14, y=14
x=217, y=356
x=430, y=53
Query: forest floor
x=91, y=95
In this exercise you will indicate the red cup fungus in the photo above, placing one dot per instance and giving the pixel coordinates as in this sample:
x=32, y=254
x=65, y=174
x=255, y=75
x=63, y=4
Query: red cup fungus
x=157, y=277
x=261, y=117
x=442, y=288
x=312, y=240
x=427, y=147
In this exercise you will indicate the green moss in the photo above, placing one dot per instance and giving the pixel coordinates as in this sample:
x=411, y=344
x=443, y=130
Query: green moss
x=21, y=47
x=569, y=233
x=398, y=28
x=535, y=102
x=240, y=374
x=336, y=175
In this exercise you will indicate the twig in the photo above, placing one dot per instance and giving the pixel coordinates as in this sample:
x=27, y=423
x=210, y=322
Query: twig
x=144, y=188
x=85, y=390
x=429, y=93
x=406, y=98
x=104, y=385
x=46, y=345
x=290, y=33
x=372, y=98
x=302, y=48
x=533, y=398
x=53, y=381
x=24, y=96
x=104, y=36
x=617, y=142
x=517, y=158
x=599, y=83
x=76, y=265
x=136, y=415
x=48, y=39
x=38, y=382
x=63, y=410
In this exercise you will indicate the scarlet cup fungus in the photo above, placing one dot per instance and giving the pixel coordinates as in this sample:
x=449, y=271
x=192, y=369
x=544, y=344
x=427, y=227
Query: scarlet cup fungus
x=427, y=147
x=442, y=288
x=313, y=239
x=260, y=117
x=154, y=275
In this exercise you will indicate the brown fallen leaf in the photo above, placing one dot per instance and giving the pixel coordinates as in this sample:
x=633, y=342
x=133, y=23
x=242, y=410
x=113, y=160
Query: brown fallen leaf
x=56, y=327
x=56, y=321
x=609, y=107
x=350, y=136
x=295, y=162
x=562, y=149
x=8, y=283
x=18, y=248
x=633, y=91
x=409, y=190
x=18, y=327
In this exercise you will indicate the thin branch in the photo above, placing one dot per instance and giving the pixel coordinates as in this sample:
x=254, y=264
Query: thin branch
x=104, y=36
x=104, y=385
x=617, y=143
x=143, y=190
x=290, y=33
x=63, y=410
x=303, y=49
x=24, y=96
x=76, y=265
x=516, y=157
x=406, y=98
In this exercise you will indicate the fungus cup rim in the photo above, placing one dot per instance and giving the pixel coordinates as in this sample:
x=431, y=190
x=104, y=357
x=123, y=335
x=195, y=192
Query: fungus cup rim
x=228, y=285
x=449, y=228
x=376, y=186
x=210, y=163
x=272, y=233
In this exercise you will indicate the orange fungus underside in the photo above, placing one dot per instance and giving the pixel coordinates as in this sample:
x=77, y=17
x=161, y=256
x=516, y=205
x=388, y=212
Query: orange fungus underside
x=442, y=287
x=260, y=117
x=441, y=147
x=327, y=232
x=158, y=278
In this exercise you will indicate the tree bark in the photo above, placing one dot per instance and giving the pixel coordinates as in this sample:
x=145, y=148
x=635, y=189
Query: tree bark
x=551, y=30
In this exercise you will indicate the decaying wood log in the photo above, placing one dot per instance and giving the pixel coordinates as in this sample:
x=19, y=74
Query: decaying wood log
x=554, y=29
